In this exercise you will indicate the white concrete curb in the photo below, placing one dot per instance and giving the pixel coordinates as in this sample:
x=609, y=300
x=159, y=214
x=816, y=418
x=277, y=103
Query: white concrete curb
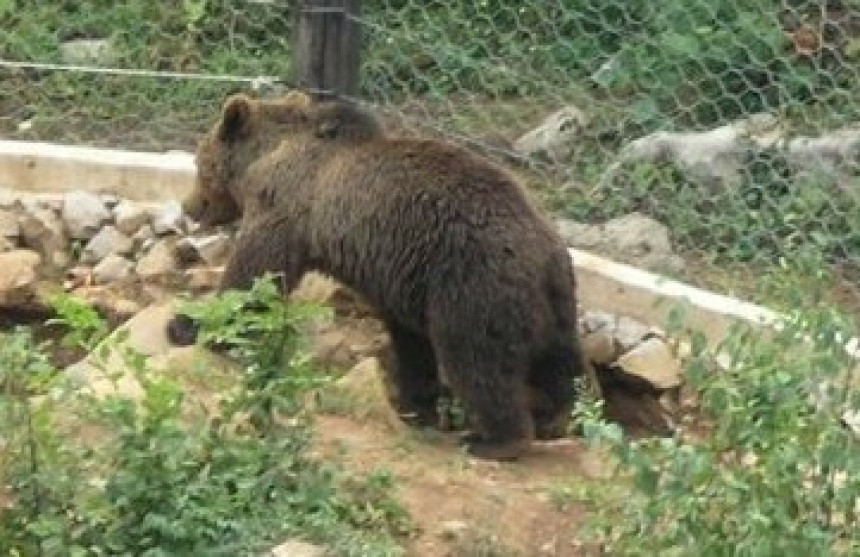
x=46, y=167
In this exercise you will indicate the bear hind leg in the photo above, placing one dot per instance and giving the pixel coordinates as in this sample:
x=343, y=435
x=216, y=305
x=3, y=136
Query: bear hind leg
x=553, y=389
x=495, y=396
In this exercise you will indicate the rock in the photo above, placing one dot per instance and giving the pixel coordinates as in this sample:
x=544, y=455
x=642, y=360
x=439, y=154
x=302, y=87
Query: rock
x=110, y=200
x=211, y=249
x=112, y=268
x=158, y=260
x=599, y=347
x=715, y=157
x=167, y=218
x=833, y=155
x=111, y=301
x=453, y=530
x=107, y=371
x=555, y=137
x=87, y=52
x=634, y=239
x=129, y=217
x=296, y=548
x=316, y=288
x=19, y=277
x=629, y=333
x=6, y=244
x=331, y=348
x=108, y=241
x=593, y=321
x=9, y=228
x=77, y=277
x=84, y=214
x=653, y=362
x=202, y=279
x=43, y=231
x=144, y=238
x=362, y=393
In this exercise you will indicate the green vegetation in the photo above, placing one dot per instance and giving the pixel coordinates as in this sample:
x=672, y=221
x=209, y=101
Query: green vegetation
x=159, y=476
x=493, y=68
x=775, y=474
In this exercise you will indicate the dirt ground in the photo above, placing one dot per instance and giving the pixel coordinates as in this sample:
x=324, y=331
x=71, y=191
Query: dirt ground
x=461, y=506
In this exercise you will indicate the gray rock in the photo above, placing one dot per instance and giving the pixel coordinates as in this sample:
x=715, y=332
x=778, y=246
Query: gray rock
x=168, y=218
x=144, y=234
x=833, y=157
x=599, y=347
x=9, y=227
x=42, y=230
x=112, y=268
x=87, y=52
x=108, y=241
x=629, y=333
x=593, y=321
x=84, y=214
x=158, y=261
x=653, y=362
x=555, y=137
x=634, y=239
x=19, y=276
x=210, y=249
x=297, y=548
x=715, y=157
x=129, y=217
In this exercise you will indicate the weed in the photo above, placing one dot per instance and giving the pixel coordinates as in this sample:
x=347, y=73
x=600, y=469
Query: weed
x=229, y=482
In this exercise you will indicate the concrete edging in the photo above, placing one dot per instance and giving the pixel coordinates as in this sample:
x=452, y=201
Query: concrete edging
x=47, y=168
x=39, y=167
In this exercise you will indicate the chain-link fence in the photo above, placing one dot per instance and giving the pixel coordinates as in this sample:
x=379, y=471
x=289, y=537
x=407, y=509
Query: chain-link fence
x=734, y=124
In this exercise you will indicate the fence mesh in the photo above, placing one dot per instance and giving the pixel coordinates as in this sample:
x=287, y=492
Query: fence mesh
x=731, y=123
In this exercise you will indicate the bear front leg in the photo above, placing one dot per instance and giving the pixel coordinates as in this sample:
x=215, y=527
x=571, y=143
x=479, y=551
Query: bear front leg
x=260, y=248
x=412, y=377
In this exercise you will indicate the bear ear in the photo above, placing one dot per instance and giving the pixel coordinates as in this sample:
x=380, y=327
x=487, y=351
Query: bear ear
x=235, y=118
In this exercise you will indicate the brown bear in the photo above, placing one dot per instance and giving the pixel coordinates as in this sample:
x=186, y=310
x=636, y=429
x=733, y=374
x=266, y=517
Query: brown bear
x=475, y=287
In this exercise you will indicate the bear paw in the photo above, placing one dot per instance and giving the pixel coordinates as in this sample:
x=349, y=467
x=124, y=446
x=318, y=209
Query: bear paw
x=182, y=330
x=496, y=450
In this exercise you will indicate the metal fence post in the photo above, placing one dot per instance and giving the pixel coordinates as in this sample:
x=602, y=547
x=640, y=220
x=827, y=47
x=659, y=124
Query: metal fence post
x=328, y=47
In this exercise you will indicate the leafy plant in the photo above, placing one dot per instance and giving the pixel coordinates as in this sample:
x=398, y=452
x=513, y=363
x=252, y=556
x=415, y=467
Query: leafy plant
x=160, y=476
x=776, y=474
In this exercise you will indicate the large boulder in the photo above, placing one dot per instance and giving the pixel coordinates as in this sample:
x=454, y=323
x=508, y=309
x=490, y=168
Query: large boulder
x=715, y=157
x=635, y=239
x=43, y=231
x=19, y=277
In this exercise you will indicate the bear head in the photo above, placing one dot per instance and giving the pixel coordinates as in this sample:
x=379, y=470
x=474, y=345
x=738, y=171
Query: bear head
x=249, y=129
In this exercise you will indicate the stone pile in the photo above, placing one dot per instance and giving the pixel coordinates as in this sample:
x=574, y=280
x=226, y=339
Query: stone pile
x=93, y=240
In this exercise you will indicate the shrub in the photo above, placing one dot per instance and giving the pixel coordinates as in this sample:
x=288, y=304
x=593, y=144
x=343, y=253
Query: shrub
x=159, y=481
x=776, y=474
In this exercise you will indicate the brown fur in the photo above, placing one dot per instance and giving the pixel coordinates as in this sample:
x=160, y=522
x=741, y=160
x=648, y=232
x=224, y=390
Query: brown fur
x=473, y=284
